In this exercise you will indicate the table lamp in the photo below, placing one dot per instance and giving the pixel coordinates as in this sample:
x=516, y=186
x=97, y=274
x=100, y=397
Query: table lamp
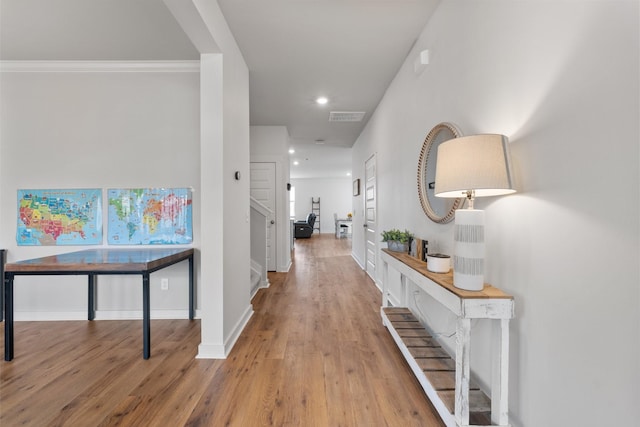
x=472, y=166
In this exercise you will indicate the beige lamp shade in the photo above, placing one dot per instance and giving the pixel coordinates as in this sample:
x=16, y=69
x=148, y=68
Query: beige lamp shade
x=481, y=163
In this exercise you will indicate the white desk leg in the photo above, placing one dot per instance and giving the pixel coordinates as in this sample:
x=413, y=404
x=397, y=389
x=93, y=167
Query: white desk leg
x=500, y=380
x=463, y=342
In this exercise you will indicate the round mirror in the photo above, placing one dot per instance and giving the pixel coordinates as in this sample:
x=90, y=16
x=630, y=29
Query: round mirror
x=440, y=210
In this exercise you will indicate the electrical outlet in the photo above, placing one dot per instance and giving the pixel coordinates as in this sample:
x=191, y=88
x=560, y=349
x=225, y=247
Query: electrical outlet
x=164, y=284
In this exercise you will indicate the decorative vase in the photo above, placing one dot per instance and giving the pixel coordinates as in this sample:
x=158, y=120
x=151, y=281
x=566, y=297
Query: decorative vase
x=468, y=250
x=396, y=246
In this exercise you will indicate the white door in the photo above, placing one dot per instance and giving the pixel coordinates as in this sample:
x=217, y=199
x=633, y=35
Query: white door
x=263, y=189
x=370, y=216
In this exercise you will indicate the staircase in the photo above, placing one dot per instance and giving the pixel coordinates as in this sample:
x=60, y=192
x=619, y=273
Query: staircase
x=259, y=216
x=256, y=277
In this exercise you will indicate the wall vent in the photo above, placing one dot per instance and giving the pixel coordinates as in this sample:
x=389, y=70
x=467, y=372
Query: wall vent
x=346, y=116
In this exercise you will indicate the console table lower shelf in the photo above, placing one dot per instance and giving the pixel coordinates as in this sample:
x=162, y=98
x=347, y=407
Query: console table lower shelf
x=432, y=366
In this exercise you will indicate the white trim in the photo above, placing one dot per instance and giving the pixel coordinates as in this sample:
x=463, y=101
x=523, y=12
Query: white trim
x=263, y=285
x=237, y=330
x=41, y=316
x=378, y=285
x=283, y=251
x=221, y=351
x=355, y=258
x=264, y=281
x=191, y=66
x=256, y=266
x=30, y=316
x=137, y=314
x=211, y=351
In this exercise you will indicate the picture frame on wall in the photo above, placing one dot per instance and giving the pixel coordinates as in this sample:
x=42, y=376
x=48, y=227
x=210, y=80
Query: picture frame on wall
x=356, y=187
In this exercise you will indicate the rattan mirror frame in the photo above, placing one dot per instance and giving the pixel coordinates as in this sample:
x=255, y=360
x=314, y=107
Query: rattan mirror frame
x=429, y=152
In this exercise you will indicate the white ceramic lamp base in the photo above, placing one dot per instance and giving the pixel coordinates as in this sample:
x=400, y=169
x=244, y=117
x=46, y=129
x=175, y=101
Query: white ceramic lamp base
x=468, y=250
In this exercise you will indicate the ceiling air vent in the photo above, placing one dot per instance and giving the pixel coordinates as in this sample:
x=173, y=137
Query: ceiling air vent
x=346, y=116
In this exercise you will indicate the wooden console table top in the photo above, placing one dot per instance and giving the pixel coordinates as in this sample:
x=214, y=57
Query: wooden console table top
x=446, y=279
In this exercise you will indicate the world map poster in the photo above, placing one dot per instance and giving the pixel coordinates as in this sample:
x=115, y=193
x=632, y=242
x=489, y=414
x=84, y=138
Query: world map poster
x=59, y=217
x=150, y=216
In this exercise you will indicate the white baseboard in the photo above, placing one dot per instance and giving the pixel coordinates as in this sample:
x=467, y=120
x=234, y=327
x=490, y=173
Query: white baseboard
x=357, y=261
x=52, y=316
x=221, y=351
x=263, y=285
x=284, y=268
x=48, y=316
x=378, y=285
x=135, y=314
x=238, y=328
x=211, y=351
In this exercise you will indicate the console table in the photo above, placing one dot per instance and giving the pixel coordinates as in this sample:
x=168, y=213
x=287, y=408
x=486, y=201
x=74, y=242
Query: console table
x=445, y=381
x=95, y=262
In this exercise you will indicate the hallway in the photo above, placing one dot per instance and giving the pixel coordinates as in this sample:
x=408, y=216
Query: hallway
x=323, y=357
x=314, y=353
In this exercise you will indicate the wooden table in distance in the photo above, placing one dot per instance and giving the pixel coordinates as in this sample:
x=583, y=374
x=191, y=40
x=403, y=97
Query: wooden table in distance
x=94, y=262
x=343, y=223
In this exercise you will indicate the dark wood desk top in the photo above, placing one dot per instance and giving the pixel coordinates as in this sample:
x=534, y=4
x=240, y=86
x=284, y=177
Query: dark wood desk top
x=102, y=261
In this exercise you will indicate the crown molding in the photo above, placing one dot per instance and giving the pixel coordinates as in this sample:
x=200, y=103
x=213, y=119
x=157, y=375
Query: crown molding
x=192, y=66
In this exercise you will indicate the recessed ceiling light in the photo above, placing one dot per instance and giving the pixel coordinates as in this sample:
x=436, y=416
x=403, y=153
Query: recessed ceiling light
x=319, y=141
x=348, y=173
x=296, y=163
x=291, y=151
x=322, y=100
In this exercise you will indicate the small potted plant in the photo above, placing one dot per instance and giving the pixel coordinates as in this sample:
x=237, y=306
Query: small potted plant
x=397, y=241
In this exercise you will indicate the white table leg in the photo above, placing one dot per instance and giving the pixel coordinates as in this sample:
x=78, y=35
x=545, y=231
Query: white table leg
x=500, y=380
x=463, y=342
x=385, y=284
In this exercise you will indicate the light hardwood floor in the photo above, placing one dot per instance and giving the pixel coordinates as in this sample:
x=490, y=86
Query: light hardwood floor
x=314, y=353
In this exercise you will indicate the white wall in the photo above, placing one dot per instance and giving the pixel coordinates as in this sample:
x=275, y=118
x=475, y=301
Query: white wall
x=335, y=197
x=96, y=130
x=270, y=144
x=561, y=80
x=122, y=129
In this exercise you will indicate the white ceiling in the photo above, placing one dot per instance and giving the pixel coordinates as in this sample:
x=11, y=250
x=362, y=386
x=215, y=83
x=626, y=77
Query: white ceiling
x=296, y=50
x=91, y=30
x=346, y=50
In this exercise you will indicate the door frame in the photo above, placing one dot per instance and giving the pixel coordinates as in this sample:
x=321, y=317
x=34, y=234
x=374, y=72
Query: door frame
x=283, y=229
x=367, y=229
x=272, y=205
